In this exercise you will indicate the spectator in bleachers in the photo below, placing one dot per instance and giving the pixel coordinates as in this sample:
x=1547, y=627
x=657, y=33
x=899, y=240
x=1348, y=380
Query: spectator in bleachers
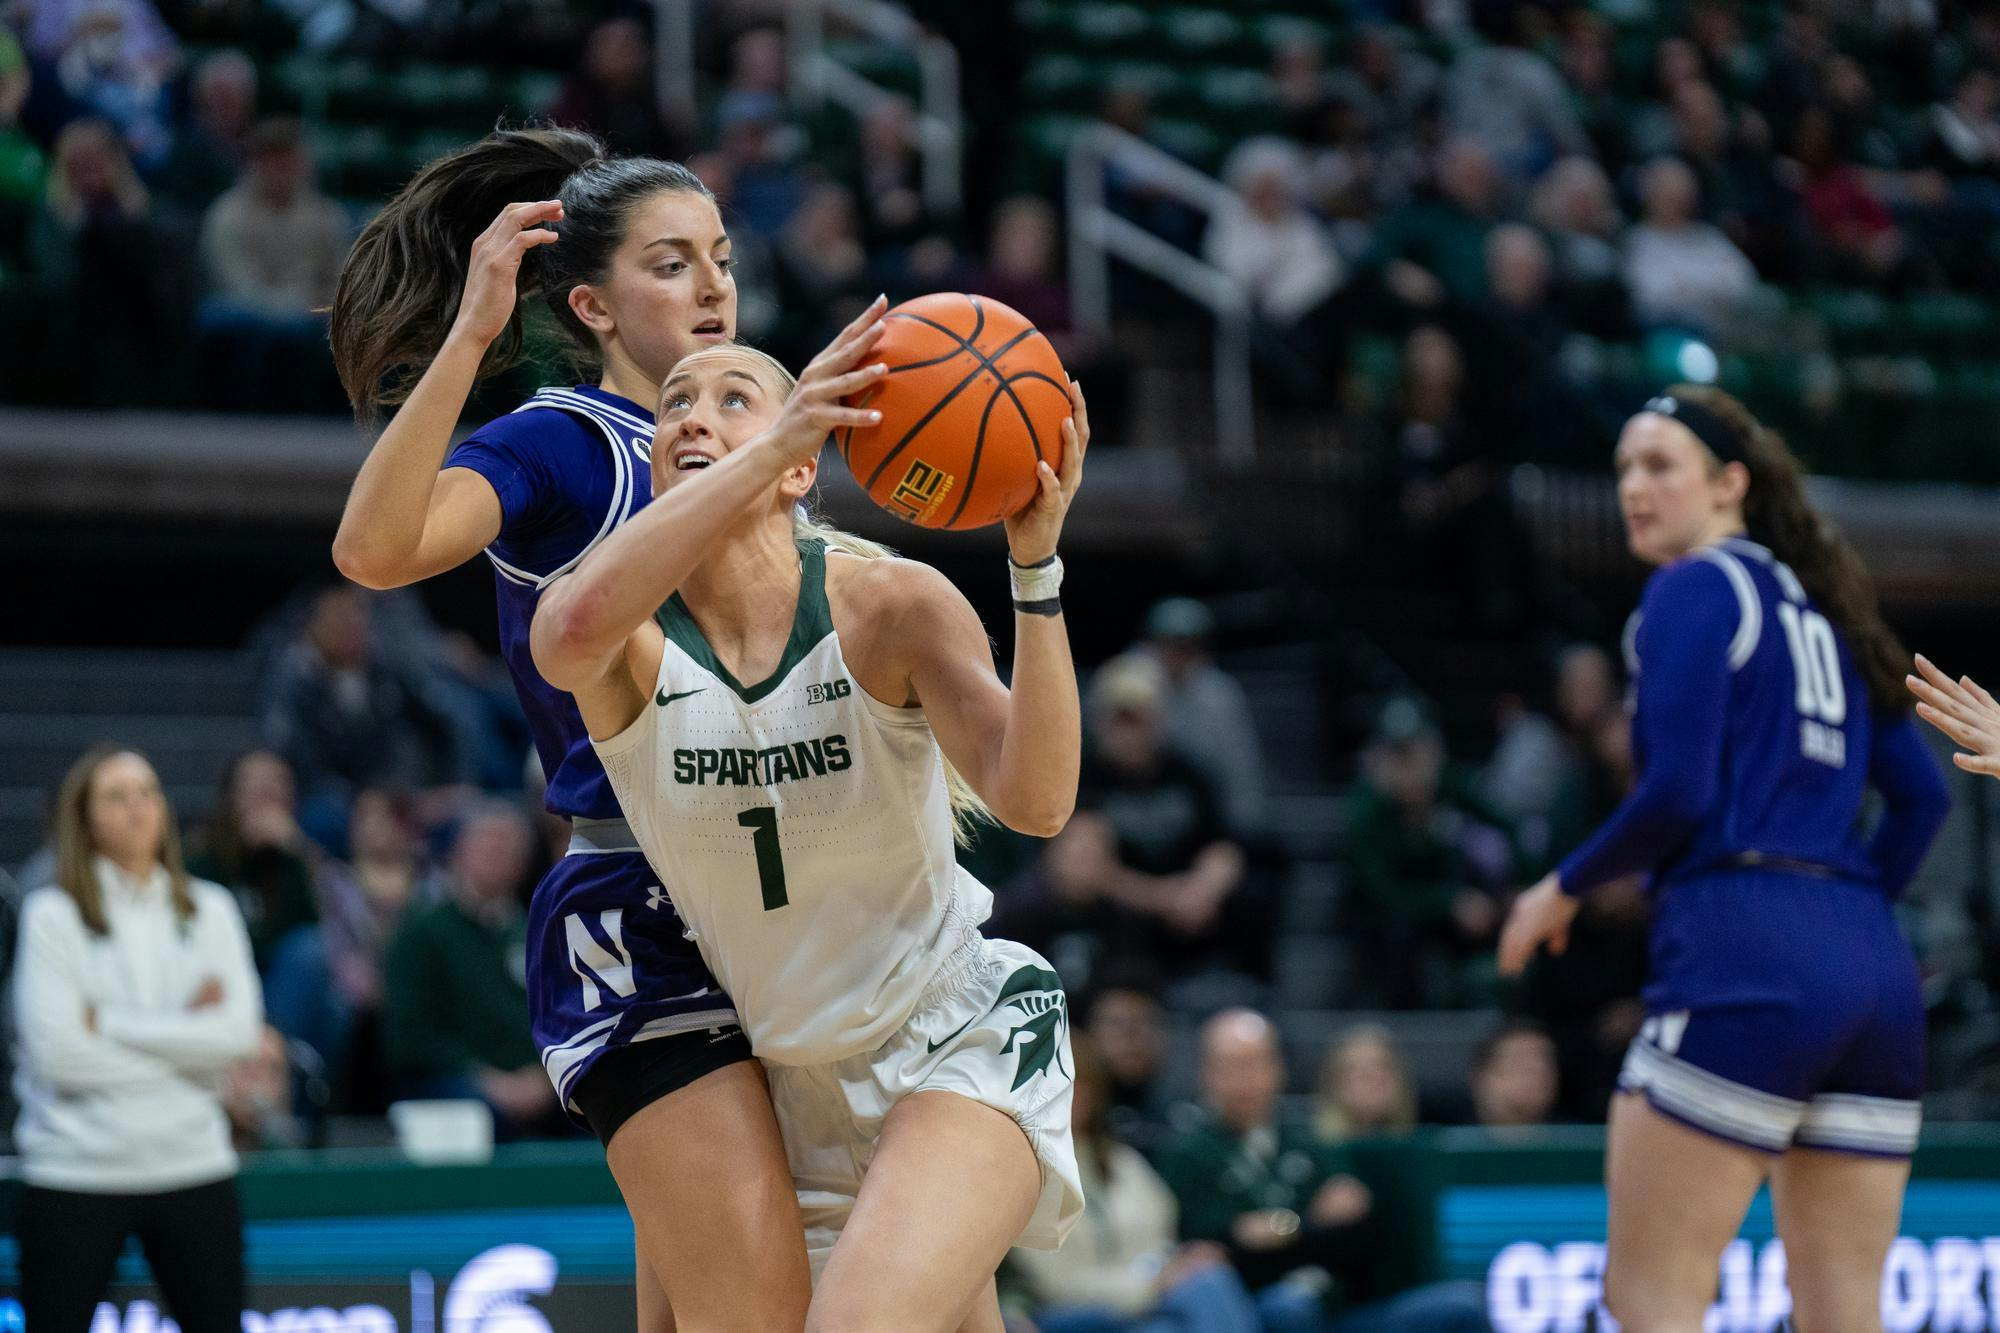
x=1391, y=85
x=1425, y=855
x=1735, y=174
x=1122, y=1021
x=271, y=249
x=101, y=249
x=1856, y=231
x=1444, y=464
x=1513, y=1079
x=1510, y=98
x=347, y=716
x=115, y=60
x=1364, y=1090
x=1171, y=880
x=1574, y=206
x=1207, y=716
x=253, y=847
x=1280, y=1201
x=1589, y=67
x=1681, y=271
x=1963, y=138
x=1022, y=269
x=209, y=150
x=824, y=265
x=1266, y=239
x=22, y=167
x=272, y=244
x=1434, y=247
x=1298, y=74
x=134, y=990
x=1121, y=1270
x=1539, y=768
x=363, y=900
x=889, y=178
x=457, y=999
x=611, y=92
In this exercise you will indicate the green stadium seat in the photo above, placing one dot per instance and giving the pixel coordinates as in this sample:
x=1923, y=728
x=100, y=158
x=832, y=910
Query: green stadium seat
x=1190, y=140
x=1276, y=30
x=1060, y=81
x=1110, y=30
x=1206, y=36
x=533, y=92
x=1239, y=102
x=1164, y=84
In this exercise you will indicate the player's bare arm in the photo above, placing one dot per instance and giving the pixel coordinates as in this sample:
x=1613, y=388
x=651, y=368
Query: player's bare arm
x=406, y=521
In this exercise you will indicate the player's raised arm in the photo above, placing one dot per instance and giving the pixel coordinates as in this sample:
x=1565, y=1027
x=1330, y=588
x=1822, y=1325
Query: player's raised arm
x=405, y=520
x=1962, y=710
x=1021, y=749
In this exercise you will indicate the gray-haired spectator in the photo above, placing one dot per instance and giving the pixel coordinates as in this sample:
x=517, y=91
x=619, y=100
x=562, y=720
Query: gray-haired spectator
x=1267, y=240
x=1681, y=271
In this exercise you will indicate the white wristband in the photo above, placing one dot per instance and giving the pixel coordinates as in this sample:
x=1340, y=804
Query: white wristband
x=1036, y=585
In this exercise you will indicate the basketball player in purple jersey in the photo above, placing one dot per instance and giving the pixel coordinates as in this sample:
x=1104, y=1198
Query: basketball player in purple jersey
x=1784, y=1031
x=630, y=256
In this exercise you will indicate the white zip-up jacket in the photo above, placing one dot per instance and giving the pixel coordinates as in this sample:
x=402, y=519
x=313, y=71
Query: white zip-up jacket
x=133, y=1107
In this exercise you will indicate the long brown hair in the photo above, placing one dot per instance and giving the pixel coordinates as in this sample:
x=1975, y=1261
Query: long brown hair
x=76, y=869
x=399, y=289
x=1778, y=514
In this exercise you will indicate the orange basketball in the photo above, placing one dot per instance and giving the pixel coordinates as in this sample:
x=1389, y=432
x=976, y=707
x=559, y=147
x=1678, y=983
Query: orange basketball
x=974, y=398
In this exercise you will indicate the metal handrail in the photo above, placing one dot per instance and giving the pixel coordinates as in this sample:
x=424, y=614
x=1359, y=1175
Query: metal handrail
x=673, y=57
x=817, y=77
x=1096, y=234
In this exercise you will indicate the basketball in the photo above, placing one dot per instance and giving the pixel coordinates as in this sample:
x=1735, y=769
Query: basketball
x=975, y=397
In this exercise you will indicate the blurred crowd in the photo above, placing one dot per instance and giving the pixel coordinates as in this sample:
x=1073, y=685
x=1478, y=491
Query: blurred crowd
x=382, y=841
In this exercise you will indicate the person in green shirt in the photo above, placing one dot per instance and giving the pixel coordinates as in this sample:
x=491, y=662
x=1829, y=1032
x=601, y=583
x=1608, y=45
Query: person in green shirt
x=456, y=1011
x=1281, y=1202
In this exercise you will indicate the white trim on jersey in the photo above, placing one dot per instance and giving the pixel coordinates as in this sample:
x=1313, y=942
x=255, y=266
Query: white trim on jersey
x=1759, y=1119
x=1750, y=625
x=1795, y=592
x=608, y=420
x=1861, y=1124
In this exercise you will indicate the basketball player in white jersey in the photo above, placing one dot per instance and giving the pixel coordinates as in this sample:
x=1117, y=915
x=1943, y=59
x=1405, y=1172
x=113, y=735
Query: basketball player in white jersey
x=781, y=723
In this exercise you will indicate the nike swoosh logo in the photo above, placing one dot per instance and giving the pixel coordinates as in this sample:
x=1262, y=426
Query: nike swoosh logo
x=663, y=698
x=954, y=1035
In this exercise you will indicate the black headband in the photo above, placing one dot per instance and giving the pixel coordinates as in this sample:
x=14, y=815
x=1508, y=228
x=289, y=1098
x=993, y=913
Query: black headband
x=1708, y=427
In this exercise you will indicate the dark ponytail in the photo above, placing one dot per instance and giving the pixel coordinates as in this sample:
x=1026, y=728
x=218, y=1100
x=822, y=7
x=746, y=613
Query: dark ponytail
x=1778, y=514
x=400, y=287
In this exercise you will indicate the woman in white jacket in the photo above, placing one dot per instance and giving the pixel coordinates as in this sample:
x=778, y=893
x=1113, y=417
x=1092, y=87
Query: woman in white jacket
x=133, y=990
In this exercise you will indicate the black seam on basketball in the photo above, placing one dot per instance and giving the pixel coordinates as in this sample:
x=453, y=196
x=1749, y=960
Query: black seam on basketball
x=972, y=467
x=968, y=343
x=941, y=403
x=1008, y=383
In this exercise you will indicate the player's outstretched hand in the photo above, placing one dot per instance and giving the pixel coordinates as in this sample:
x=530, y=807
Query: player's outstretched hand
x=815, y=408
x=1032, y=534
x=492, y=277
x=1540, y=916
x=1961, y=710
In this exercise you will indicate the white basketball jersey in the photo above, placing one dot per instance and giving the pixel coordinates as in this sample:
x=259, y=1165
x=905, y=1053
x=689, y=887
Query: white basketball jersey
x=804, y=831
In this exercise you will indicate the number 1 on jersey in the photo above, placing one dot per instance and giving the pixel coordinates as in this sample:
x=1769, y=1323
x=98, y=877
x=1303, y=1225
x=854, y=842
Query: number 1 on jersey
x=770, y=857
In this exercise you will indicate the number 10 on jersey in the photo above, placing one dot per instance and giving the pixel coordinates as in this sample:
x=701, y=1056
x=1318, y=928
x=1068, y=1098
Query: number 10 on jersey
x=763, y=820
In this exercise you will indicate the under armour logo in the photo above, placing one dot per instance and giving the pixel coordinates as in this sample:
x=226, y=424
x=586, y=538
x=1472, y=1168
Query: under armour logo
x=656, y=897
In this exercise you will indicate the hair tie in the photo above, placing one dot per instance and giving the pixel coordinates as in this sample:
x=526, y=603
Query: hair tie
x=1718, y=435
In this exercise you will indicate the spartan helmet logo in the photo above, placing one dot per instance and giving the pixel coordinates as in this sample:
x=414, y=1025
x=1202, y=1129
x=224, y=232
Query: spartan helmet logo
x=1036, y=994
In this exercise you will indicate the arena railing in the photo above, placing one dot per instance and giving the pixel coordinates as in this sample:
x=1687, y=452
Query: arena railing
x=1096, y=234
x=818, y=77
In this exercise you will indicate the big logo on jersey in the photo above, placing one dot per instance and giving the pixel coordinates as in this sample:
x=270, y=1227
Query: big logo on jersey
x=1036, y=994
